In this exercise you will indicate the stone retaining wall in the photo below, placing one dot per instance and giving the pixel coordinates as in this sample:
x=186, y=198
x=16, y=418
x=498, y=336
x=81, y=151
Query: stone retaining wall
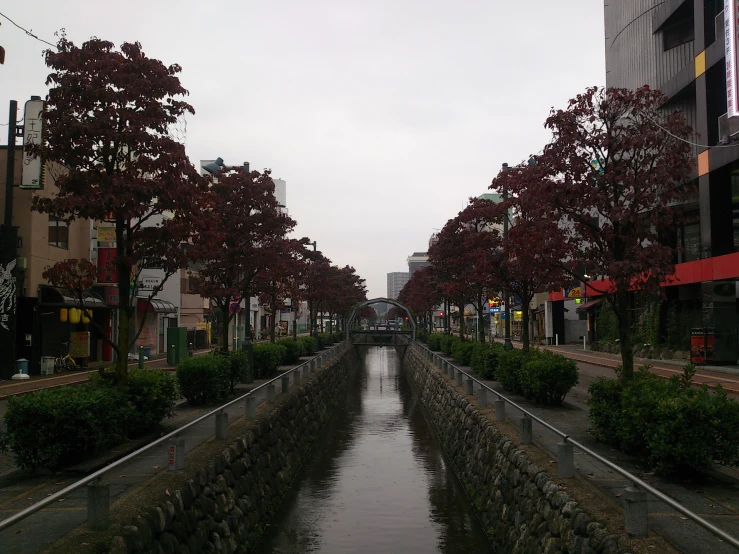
x=227, y=505
x=520, y=506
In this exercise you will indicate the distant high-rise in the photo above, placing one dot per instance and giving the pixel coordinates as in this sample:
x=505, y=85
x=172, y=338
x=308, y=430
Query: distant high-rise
x=395, y=283
x=416, y=261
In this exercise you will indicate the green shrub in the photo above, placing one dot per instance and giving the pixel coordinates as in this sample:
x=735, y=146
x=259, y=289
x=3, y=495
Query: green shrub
x=462, y=352
x=421, y=335
x=294, y=350
x=448, y=342
x=153, y=394
x=324, y=340
x=205, y=378
x=509, y=369
x=338, y=336
x=61, y=426
x=434, y=341
x=239, y=360
x=676, y=428
x=309, y=344
x=267, y=358
x=485, y=359
x=547, y=377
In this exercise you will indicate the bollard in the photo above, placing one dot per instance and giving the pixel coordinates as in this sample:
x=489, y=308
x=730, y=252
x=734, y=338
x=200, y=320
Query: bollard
x=482, y=396
x=565, y=461
x=444, y=367
x=468, y=384
x=525, y=431
x=306, y=370
x=460, y=376
x=312, y=366
x=176, y=454
x=221, y=426
x=251, y=406
x=635, y=512
x=285, y=383
x=499, y=410
x=270, y=393
x=319, y=362
x=296, y=377
x=98, y=505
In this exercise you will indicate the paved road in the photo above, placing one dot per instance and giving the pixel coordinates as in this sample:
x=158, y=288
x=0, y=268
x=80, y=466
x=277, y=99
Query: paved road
x=19, y=490
x=715, y=497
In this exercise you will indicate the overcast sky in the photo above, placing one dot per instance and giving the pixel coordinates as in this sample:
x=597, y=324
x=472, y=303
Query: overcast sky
x=383, y=116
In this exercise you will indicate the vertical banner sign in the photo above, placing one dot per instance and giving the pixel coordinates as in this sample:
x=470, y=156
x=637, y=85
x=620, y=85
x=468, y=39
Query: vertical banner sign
x=33, y=176
x=730, y=44
x=8, y=255
x=107, y=271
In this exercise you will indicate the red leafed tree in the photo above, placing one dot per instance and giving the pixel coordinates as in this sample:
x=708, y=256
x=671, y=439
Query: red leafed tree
x=108, y=129
x=240, y=233
x=279, y=281
x=617, y=169
x=347, y=290
x=421, y=294
x=316, y=283
x=368, y=313
x=466, y=257
x=533, y=252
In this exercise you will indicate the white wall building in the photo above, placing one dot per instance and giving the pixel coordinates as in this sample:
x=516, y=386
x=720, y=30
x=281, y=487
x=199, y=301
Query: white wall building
x=395, y=283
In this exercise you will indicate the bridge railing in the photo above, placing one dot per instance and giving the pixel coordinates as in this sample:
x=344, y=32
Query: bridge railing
x=636, y=510
x=99, y=511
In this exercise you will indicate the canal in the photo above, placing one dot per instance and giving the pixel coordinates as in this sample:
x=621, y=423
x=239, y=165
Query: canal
x=377, y=481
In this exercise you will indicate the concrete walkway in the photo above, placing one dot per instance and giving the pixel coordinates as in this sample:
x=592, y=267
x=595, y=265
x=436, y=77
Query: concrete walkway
x=714, y=497
x=19, y=490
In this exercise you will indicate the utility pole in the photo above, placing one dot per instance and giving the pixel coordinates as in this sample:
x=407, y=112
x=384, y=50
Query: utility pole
x=10, y=161
x=8, y=257
x=507, y=344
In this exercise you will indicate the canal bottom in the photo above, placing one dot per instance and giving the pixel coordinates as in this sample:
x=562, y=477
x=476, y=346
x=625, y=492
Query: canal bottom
x=377, y=480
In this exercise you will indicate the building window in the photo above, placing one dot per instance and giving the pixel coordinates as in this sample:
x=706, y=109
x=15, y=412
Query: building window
x=691, y=242
x=58, y=233
x=678, y=33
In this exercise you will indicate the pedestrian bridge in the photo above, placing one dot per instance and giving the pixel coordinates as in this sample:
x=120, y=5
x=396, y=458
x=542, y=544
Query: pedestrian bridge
x=379, y=333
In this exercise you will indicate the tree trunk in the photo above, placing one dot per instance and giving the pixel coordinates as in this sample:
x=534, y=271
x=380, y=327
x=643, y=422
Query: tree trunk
x=622, y=306
x=226, y=315
x=480, y=320
x=121, y=364
x=273, y=307
x=525, y=316
x=461, y=320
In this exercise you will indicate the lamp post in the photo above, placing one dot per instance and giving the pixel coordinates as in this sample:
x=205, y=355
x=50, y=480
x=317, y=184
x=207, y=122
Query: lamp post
x=314, y=316
x=507, y=344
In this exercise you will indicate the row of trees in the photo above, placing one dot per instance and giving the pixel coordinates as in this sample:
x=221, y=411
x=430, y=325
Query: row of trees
x=600, y=206
x=112, y=130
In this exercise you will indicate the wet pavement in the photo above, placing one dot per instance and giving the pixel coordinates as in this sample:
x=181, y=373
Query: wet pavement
x=377, y=481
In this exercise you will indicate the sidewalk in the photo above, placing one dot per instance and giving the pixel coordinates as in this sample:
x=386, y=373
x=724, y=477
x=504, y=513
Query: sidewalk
x=714, y=497
x=726, y=376
x=19, y=490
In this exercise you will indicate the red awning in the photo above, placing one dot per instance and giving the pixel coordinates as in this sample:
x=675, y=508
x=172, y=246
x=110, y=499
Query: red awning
x=588, y=305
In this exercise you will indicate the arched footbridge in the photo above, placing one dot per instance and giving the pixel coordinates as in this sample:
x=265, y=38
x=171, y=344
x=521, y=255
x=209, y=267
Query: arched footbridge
x=379, y=336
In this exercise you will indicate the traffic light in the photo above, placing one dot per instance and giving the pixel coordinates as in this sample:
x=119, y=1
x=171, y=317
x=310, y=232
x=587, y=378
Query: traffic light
x=441, y=314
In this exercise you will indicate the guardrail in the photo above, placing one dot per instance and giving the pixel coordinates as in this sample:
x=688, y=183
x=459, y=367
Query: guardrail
x=97, y=500
x=635, y=512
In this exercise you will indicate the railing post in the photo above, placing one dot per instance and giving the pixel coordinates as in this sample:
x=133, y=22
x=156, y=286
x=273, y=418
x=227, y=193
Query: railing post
x=251, y=406
x=307, y=369
x=444, y=367
x=176, y=454
x=319, y=362
x=636, y=512
x=313, y=364
x=270, y=393
x=285, y=383
x=482, y=396
x=565, y=461
x=525, y=430
x=221, y=426
x=460, y=376
x=468, y=385
x=499, y=409
x=296, y=377
x=98, y=505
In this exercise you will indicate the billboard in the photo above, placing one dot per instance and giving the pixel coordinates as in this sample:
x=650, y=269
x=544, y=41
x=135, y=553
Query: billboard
x=730, y=46
x=32, y=174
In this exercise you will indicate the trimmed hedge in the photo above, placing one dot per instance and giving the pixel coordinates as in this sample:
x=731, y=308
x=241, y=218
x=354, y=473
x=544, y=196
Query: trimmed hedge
x=676, y=428
x=422, y=335
x=539, y=375
x=239, y=360
x=152, y=394
x=294, y=350
x=267, y=358
x=447, y=343
x=485, y=359
x=206, y=378
x=462, y=352
x=434, y=341
x=309, y=345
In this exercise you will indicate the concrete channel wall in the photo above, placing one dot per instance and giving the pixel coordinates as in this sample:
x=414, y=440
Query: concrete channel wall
x=521, y=508
x=231, y=499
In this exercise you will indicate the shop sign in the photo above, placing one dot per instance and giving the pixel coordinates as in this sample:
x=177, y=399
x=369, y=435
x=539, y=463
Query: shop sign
x=79, y=344
x=149, y=283
x=201, y=326
x=107, y=271
x=32, y=173
x=701, y=345
x=106, y=234
x=730, y=49
x=574, y=292
x=111, y=296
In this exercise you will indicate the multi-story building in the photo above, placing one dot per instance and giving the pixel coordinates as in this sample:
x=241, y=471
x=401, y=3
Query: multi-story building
x=395, y=283
x=416, y=261
x=681, y=47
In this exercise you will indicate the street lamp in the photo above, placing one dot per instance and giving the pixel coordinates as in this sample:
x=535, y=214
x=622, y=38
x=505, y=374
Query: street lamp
x=507, y=344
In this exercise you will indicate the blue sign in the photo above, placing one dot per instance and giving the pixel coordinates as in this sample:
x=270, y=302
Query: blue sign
x=494, y=310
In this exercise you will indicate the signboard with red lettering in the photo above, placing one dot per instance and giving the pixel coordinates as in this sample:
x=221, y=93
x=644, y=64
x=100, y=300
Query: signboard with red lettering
x=107, y=271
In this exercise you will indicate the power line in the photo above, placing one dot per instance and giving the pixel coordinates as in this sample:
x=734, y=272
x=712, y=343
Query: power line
x=29, y=33
x=690, y=142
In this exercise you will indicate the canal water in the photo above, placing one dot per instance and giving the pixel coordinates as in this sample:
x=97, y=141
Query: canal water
x=377, y=482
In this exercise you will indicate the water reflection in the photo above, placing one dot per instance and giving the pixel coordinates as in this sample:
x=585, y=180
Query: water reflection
x=377, y=481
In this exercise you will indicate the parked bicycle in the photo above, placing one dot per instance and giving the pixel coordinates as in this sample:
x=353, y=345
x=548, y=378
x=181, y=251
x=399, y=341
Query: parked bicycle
x=66, y=362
